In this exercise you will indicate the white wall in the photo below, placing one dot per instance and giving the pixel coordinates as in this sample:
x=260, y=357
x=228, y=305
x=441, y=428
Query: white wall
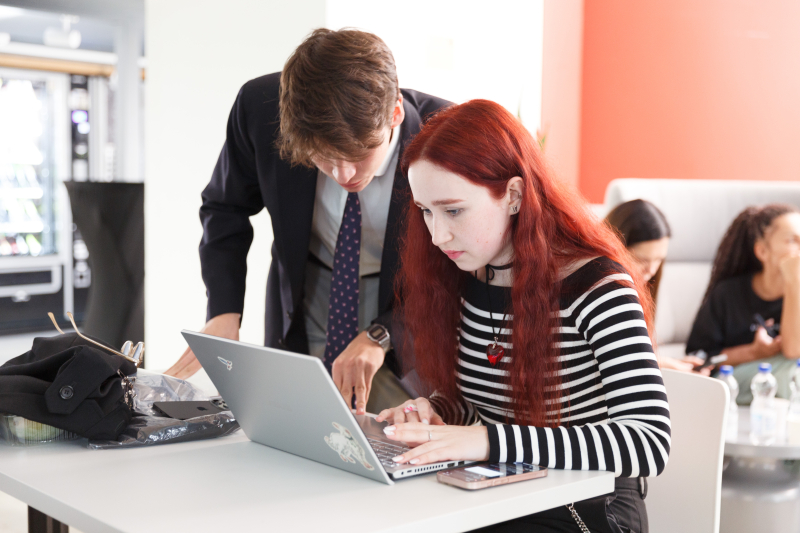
x=459, y=50
x=199, y=52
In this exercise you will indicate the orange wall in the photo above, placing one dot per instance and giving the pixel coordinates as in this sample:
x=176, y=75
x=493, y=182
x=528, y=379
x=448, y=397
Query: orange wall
x=697, y=89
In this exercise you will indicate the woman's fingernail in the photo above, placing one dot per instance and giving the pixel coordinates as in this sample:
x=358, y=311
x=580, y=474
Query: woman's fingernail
x=389, y=429
x=424, y=420
x=398, y=459
x=414, y=461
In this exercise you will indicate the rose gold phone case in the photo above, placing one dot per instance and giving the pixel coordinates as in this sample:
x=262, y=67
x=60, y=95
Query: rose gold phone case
x=459, y=477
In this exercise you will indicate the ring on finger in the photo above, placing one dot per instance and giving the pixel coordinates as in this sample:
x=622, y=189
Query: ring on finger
x=430, y=436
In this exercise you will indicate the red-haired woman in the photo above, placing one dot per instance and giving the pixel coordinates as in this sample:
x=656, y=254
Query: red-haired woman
x=500, y=257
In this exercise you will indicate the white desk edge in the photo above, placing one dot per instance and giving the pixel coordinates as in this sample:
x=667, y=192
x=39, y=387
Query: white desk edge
x=253, y=484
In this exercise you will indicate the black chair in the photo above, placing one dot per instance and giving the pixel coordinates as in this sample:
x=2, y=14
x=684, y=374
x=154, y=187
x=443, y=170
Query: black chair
x=110, y=217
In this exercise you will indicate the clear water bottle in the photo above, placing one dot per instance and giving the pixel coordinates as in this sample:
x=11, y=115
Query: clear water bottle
x=793, y=417
x=763, y=415
x=726, y=376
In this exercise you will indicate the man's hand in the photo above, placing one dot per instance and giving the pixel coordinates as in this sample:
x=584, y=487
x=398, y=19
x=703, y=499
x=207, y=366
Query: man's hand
x=225, y=326
x=355, y=367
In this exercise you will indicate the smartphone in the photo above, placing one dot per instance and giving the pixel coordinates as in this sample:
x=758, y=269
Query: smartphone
x=187, y=410
x=758, y=321
x=482, y=475
x=712, y=361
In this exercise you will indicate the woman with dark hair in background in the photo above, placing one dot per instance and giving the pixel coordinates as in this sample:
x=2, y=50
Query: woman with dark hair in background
x=527, y=315
x=645, y=232
x=751, y=310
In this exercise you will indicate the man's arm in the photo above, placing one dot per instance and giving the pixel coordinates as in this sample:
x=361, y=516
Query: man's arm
x=229, y=200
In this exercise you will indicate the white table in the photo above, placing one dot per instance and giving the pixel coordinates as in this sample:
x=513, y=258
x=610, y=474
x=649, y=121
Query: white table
x=760, y=484
x=233, y=484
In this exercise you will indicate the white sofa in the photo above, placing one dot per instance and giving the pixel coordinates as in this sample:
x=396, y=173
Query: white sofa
x=699, y=212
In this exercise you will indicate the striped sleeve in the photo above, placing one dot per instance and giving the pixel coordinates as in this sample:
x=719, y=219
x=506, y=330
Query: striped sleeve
x=634, y=439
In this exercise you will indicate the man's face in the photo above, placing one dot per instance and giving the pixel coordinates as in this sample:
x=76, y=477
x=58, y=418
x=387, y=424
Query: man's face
x=354, y=176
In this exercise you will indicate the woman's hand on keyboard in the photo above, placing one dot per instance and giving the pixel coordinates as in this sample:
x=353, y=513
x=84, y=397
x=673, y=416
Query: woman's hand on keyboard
x=418, y=410
x=440, y=443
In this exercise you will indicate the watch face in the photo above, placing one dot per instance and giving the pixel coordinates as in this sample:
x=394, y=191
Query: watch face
x=377, y=331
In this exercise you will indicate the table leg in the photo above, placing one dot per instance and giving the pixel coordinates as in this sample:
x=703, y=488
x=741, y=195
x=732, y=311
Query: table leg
x=38, y=522
x=760, y=494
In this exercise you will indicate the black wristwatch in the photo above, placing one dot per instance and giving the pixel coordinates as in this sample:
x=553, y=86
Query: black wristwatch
x=380, y=335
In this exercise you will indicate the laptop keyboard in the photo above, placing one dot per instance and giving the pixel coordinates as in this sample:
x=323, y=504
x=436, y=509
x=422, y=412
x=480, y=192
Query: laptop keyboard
x=386, y=451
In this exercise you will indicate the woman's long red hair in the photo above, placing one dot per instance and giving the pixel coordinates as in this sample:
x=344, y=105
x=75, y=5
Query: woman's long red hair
x=485, y=144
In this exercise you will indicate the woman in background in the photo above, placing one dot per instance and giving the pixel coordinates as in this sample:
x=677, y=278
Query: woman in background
x=751, y=310
x=645, y=232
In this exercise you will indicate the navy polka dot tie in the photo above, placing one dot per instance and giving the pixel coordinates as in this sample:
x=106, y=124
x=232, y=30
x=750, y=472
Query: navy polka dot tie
x=343, y=304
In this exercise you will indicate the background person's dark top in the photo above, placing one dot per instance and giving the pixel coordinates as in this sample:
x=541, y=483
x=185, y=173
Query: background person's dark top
x=725, y=319
x=249, y=176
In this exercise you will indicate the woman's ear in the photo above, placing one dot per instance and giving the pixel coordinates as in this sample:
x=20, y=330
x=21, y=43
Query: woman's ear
x=760, y=249
x=514, y=190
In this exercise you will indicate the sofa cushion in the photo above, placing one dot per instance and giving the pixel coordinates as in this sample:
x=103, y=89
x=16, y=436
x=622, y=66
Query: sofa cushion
x=699, y=211
x=683, y=285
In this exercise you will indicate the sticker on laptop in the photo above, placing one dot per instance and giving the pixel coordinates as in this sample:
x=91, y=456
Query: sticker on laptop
x=228, y=364
x=346, y=446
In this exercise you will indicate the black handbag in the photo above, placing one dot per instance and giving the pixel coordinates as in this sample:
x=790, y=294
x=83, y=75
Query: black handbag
x=70, y=383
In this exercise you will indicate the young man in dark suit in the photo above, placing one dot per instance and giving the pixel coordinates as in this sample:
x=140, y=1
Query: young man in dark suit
x=318, y=145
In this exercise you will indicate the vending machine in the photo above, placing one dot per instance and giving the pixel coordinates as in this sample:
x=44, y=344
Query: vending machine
x=39, y=126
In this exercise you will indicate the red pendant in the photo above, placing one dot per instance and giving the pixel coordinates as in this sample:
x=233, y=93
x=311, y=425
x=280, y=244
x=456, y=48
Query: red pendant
x=494, y=352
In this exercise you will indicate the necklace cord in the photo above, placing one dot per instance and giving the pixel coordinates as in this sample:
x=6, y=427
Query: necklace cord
x=490, y=271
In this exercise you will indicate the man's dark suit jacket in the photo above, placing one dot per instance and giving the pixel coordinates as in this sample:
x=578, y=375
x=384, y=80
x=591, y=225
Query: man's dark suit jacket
x=249, y=176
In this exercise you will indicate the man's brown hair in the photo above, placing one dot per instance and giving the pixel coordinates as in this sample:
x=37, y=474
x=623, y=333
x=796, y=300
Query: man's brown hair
x=338, y=90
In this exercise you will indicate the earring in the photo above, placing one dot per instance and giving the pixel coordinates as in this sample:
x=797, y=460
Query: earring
x=514, y=209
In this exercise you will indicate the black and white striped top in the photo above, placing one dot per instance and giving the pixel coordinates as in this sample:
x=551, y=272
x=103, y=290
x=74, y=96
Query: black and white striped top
x=614, y=411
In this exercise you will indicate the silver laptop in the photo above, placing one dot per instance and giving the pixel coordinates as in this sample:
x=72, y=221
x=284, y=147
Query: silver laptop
x=288, y=401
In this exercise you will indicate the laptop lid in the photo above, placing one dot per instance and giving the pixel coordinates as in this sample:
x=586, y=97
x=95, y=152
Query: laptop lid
x=287, y=401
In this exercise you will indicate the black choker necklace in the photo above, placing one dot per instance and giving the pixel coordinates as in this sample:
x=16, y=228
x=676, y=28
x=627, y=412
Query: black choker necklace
x=491, y=269
x=494, y=352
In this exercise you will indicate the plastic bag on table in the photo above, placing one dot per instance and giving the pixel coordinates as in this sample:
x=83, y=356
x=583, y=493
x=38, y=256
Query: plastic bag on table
x=148, y=429
x=152, y=430
x=150, y=388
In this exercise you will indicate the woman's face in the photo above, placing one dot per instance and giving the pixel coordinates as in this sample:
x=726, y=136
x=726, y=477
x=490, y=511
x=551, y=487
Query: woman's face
x=465, y=222
x=781, y=240
x=649, y=255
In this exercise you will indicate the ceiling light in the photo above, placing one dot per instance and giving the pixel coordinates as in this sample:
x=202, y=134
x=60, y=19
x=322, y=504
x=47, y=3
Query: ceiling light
x=8, y=12
x=63, y=37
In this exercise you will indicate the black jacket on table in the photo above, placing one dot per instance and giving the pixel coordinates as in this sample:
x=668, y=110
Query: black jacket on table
x=249, y=176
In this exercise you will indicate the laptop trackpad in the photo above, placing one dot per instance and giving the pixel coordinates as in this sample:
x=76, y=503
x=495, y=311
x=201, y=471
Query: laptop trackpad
x=370, y=427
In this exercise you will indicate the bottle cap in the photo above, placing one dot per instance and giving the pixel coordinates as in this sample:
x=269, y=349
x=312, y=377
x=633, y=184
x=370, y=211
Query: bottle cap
x=765, y=367
x=726, y=370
